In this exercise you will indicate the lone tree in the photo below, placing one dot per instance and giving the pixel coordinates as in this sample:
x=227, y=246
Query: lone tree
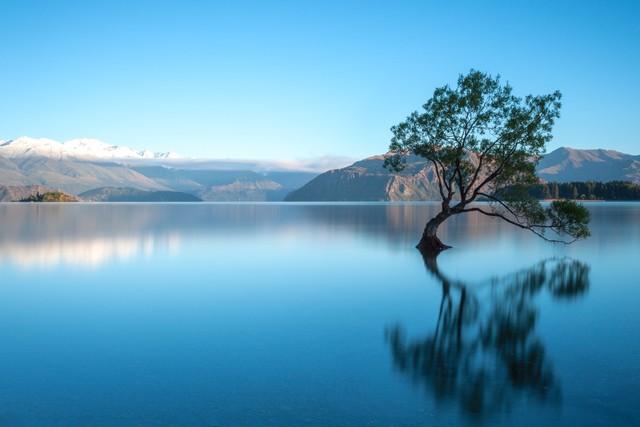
x=484, y=143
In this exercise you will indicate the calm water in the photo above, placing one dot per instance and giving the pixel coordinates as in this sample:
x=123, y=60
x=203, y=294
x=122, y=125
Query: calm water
x=324, y=315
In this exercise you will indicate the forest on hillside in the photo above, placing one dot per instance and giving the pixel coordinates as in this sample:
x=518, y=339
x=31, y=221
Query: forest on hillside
x=590, y=190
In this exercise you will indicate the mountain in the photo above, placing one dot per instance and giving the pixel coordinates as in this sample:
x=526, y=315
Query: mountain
x=368, y=180
x=228, y=185
x=77, y=149
x=71, y=176
x=127, y=194
x=80, y=165
x=77, y=176
x=568, y=164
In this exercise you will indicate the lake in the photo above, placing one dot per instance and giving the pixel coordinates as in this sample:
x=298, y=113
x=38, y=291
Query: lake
x=313, y=314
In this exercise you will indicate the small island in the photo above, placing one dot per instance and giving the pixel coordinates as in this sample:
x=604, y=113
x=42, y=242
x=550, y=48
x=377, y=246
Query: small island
x=49, y=196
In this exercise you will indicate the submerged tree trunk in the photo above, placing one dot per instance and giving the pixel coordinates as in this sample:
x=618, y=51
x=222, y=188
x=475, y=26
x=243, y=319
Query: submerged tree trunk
x=430, y=244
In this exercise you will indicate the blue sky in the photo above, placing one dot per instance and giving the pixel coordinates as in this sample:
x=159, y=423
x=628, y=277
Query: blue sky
x=287, y=80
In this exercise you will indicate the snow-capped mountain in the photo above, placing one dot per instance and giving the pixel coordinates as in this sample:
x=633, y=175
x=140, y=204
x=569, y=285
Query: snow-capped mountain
x=79, y=149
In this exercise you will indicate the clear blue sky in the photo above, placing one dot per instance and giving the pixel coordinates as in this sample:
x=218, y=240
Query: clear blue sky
x=298, y=79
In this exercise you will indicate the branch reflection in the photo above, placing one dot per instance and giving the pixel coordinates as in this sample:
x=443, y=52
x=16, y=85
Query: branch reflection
x=483, y=352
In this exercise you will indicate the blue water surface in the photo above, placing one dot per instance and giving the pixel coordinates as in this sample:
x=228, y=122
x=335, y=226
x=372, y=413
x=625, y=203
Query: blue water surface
x=313, y=314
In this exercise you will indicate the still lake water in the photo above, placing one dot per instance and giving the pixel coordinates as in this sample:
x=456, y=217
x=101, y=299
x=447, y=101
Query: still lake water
x=313, y=314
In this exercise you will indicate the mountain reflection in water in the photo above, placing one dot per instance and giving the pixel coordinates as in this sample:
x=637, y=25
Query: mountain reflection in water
x=484, y=352
x=91, y=235
x=95, y=234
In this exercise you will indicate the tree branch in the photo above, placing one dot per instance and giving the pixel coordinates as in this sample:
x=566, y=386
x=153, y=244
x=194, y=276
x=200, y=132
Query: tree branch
x=523, y=226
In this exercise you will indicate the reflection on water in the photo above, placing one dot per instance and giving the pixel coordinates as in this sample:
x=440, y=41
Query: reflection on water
x=93, y=234
x=484, y=351
x=86, y=252
x=271, y=314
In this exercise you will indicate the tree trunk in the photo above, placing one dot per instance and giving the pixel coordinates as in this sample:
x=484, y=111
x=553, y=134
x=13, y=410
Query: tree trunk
x=430, y=244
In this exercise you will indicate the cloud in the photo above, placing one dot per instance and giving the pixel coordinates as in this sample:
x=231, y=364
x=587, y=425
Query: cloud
x=315, y=164
x=93, y=149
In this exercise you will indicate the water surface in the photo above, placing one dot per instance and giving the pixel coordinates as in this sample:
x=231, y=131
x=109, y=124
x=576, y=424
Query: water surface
x=312, y=314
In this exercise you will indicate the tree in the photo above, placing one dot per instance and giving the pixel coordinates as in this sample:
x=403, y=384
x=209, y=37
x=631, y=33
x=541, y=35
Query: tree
x=483, y=143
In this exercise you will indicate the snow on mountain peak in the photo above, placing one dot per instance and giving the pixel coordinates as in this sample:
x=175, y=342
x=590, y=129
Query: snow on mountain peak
x=79, y=148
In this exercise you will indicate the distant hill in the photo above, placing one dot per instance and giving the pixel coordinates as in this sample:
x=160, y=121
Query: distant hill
x=368, y=180
x=228, y=185
x=569, y=164
x=127, y=194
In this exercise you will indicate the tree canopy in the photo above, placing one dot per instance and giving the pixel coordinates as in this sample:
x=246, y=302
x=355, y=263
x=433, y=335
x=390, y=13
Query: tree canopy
x=484, y=143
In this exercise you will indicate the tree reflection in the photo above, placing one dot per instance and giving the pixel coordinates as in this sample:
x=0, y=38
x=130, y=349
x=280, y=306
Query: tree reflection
x=484, y=352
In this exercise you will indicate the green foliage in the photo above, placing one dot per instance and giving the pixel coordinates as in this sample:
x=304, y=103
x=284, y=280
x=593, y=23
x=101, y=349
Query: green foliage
x=50, y=196
x=569, y=217
x=38, y=197
x=485, y=142
x=477, y=126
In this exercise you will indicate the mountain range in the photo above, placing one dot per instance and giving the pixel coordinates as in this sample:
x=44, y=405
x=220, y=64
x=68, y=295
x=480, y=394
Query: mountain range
x=81, y=165
x=368, y=180
x=108, y=173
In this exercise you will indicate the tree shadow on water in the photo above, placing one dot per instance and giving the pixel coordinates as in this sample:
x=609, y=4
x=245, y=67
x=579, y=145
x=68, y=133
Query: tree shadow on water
x=484, y=353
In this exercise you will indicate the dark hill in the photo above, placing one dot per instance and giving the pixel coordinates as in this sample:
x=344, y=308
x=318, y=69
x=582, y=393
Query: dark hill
x=127, y=194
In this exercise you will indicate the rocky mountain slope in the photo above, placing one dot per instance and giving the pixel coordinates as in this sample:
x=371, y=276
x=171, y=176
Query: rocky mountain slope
x=368, y=180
